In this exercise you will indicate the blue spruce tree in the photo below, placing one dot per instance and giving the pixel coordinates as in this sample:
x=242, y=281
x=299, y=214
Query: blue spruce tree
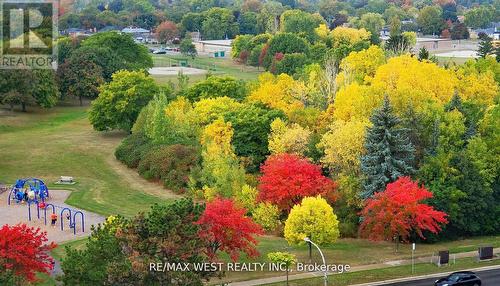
x=389, y=153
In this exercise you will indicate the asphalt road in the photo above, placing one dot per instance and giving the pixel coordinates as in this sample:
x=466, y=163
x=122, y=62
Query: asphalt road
x=488, y=278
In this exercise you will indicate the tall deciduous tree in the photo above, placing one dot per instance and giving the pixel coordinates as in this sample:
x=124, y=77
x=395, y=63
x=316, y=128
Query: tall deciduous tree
x=121, y=100
x=224, y=227
x=28, y=88
x=221, y=175
x=389, y=154
x=129, y=55
x=430, y=20
x=399, y=211
x=79, y=77
x=286, y=179
x=251, y=125
x=166, y=31
x=24, y=252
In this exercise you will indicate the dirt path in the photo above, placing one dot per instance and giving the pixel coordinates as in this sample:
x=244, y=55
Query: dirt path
x=137, y=182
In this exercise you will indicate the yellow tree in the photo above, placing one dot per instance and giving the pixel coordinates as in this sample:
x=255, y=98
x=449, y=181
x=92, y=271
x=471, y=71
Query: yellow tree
x=410, y=83
x=207, y=110
x=360, y=66
x=284, y=138
x=312, y=218
x=477, y=87
x=349, y=36
x=355, y=102
x=280, y=92
x=221, y=175
x=343, y=146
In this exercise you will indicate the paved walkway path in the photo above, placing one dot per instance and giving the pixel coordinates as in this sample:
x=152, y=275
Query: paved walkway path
x=352, y=269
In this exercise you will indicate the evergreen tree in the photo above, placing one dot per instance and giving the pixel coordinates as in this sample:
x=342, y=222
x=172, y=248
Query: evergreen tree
x=389, y=153
x=485, y=46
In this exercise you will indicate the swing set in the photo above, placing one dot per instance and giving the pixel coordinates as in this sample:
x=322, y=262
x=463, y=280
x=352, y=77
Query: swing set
x=71, y=215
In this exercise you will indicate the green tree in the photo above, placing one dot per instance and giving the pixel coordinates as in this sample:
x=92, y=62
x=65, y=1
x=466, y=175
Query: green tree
x=107, y=61
x=240, y=44
x=121, y=100
x=485, y=46
x=373, y=23
x=251, y=125
x=28, y=88
x=479, y=17
x=102, y=253
x=217, y=86
x=192, y=22
x=219, y=23
x=285, y=43
x=128, y=54
x=291, y=63
x=248, y=23
x=79, y=77
x=389, y=154
x=187, y=48
x=168, y=233
x=430, y=20
x=301, y=23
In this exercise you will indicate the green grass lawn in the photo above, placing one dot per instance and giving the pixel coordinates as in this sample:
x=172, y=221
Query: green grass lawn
x=217, y=66
x=389, y=273
x=60, y=141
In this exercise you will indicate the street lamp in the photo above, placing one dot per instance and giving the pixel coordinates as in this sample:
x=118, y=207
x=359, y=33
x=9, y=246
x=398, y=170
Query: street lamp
x=306, y=239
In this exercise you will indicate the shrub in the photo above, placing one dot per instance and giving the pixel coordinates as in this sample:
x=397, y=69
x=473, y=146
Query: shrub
x=170, y=164
x=132, y=149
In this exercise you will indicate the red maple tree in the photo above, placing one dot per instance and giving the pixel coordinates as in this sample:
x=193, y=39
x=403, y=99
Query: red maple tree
x=225, y=227
x=23, y=252
x=398, y=211
x=286, y=179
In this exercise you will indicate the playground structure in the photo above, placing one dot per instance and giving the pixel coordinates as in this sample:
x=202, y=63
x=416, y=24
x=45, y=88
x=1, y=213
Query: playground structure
x=38, y=191
x=71, y=215
x=37, y=195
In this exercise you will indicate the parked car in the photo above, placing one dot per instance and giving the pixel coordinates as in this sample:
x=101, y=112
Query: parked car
x=159, y=51
x=461, y=278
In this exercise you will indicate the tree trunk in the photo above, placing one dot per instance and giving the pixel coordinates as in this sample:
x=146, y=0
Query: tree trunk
x=12, y=108
x=81, y=101
x=23, y=105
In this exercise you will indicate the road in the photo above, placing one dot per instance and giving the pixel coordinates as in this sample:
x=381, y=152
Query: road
x=488, y=278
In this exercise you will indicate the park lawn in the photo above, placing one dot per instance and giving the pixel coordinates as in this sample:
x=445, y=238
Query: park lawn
x=217, y=66
x=60, y=141
x=388, y=273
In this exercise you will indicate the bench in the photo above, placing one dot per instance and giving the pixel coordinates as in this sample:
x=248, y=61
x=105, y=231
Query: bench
x=67, y=180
